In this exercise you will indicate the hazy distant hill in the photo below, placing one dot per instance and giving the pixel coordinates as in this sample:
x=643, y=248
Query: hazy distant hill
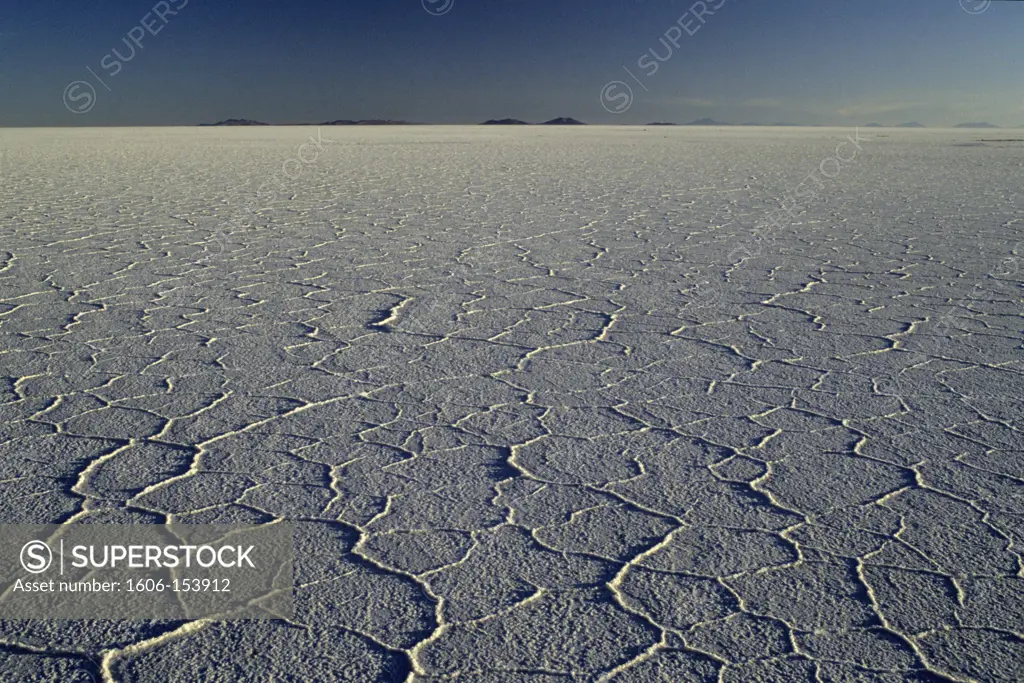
x=564, y=121
x=236, y=122
x=911, y=124
x=504, y=122
x=781, y=124
x=366, y=122
x=706, y=122
x=339, y=122
x=975, y=125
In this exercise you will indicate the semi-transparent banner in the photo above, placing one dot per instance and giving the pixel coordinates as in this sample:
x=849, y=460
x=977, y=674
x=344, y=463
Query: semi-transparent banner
x=115, y=571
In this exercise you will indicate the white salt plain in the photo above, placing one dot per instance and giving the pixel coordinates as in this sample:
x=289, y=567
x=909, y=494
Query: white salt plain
x=545, y=403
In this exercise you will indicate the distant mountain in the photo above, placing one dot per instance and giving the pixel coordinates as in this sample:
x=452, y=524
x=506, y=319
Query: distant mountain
x=564, y=121
x=365, y=122
x=236, y=122
x=778, y=125
x=912, y=124
x=339, y=122
x=975, y=125
x=661, y=123
x=706, y=122
x=504, y=122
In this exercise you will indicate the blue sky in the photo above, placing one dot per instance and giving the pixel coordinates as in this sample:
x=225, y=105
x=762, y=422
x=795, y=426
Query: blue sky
x=806, y=61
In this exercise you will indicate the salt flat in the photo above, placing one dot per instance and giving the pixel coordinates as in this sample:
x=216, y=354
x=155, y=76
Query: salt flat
x=546, y=403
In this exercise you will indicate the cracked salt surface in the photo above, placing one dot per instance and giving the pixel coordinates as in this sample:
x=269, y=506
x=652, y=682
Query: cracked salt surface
x=538, y=407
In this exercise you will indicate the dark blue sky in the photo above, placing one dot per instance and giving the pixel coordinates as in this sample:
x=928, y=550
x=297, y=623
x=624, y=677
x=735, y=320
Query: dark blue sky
x=808, y=61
